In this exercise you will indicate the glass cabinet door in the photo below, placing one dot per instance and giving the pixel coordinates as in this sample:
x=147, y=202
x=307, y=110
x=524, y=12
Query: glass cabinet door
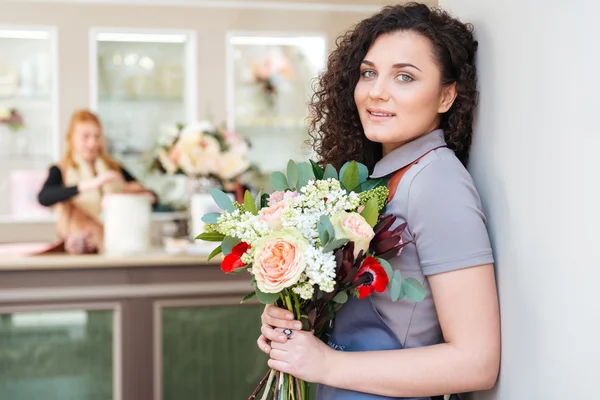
x=28, y=118
x=142, y=84
x=57, y=355
x=269, y=85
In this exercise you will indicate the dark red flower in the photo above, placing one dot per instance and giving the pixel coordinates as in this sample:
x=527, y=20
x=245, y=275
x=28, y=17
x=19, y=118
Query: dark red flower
x=233, y=260
x=371, y=278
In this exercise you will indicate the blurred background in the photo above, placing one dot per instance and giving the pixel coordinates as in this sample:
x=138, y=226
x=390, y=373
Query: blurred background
x=164, y=323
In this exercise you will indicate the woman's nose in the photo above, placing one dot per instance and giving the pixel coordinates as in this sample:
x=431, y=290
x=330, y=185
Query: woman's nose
x=379, y=90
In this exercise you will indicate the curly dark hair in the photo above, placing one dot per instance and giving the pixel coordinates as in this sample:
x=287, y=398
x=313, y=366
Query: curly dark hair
x=335, y=128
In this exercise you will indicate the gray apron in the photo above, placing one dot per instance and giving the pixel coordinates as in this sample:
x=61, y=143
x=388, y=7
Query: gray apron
x=359, y=327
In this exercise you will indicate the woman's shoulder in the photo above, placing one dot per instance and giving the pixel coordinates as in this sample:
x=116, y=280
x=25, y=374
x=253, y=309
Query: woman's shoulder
x=440, y=180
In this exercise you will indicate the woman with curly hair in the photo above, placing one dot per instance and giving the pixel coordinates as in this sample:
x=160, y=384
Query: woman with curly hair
x=399, y=95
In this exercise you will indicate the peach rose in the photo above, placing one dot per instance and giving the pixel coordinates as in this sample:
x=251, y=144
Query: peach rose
x=354, y=227
x=279, y=260
x=272, y=215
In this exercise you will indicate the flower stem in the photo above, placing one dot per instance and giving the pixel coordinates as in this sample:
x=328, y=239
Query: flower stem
x=264, y=380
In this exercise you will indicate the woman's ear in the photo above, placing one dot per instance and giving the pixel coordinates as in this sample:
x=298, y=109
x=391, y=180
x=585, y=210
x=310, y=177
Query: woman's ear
x=447, y=98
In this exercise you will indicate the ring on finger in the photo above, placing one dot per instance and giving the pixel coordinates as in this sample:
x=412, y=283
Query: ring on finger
x=288, y=332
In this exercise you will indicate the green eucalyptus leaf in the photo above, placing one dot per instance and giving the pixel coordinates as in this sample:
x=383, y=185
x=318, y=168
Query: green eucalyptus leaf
x=305, y=174
x=334, y=244
x=215, y=253
x=223, y=200
x=363, y=173
x=326, y=222
x=349, y=175
x=396, y=286
x=330, y=172
x=211, y=218
x=387, y=267
x=413, y=289
x=323, y=234
x=266, y=298
x=317, y=170
x=341, y=297
x=248, y=297
x=229, y=242
x=292, y=174
x=278, y=181
x=210, y=237
x=249, y=203
x=371, y=212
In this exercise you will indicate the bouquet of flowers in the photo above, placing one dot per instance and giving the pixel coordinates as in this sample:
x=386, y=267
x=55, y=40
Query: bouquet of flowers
x=202, y=149
x=315, y=241
x=12, y=118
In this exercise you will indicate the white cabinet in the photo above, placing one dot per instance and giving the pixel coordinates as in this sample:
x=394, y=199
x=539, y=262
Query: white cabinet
x=28, y=84
x=142, y=82
x=269, y=80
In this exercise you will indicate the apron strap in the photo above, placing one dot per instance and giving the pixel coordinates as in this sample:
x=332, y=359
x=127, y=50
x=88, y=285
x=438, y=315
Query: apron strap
x=395, y=180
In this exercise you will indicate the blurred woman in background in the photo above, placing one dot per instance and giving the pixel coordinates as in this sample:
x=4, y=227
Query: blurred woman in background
x=76, y=185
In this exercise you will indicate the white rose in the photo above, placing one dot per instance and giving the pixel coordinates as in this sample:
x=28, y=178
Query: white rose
x=166, y=162
x=232, y=165
x=5, y=113
x=200, y=154
x=354, y=227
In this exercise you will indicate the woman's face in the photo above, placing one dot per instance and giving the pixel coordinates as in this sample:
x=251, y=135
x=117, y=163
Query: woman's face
x=399, y=95
x=87, y=140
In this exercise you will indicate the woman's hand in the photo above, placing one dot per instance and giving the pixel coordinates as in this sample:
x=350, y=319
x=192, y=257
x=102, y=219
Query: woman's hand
x=303, y=356
x=275, y=317
x=99, y=181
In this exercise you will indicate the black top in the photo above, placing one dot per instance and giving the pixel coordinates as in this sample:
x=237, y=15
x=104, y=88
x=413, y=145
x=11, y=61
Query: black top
x=54, y=190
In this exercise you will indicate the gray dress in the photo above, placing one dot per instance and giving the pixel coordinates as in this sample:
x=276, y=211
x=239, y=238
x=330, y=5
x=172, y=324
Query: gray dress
x=447, y=231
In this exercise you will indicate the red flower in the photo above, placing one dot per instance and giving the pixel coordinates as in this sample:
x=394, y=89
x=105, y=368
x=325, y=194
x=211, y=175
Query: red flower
x=372, y=278
x=233, y=260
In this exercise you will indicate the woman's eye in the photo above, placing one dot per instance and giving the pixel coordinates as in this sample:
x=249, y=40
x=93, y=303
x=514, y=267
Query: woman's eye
x=405, y=78
x=368, y=74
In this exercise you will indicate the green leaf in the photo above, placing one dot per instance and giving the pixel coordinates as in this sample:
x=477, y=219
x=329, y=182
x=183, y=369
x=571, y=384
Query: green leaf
x=317, y=170
x=363, y=173
x=264, y=200
x=349, y=175
x=211, y=218
x=229, y=242
x=257, y=201
x=370, y=184
x=341, y=297
x=248, y=297
x=278, y=181
x=223, y=201
x=330, y=172
x=326, y=222
x=249, y=203
x=215, y=253
x=413, y=289
x=371, y=212
x=334, y=244
x=210, y=237
x=266, y=298
x=305, y=174
x=396, y=286
x=323, y=234
x=292, y=174
x=387, y=267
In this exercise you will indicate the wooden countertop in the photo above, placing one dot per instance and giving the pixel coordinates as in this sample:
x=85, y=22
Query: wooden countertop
x=152, y=258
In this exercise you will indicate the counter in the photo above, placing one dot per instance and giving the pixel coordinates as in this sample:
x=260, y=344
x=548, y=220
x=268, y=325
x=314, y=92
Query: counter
x=152, y=326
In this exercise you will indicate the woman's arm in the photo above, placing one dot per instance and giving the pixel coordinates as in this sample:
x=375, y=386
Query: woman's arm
x=133, y=186
x=54, y=191
x=467, y=307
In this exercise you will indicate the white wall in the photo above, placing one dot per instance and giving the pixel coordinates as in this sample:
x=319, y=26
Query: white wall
x=536, y=166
